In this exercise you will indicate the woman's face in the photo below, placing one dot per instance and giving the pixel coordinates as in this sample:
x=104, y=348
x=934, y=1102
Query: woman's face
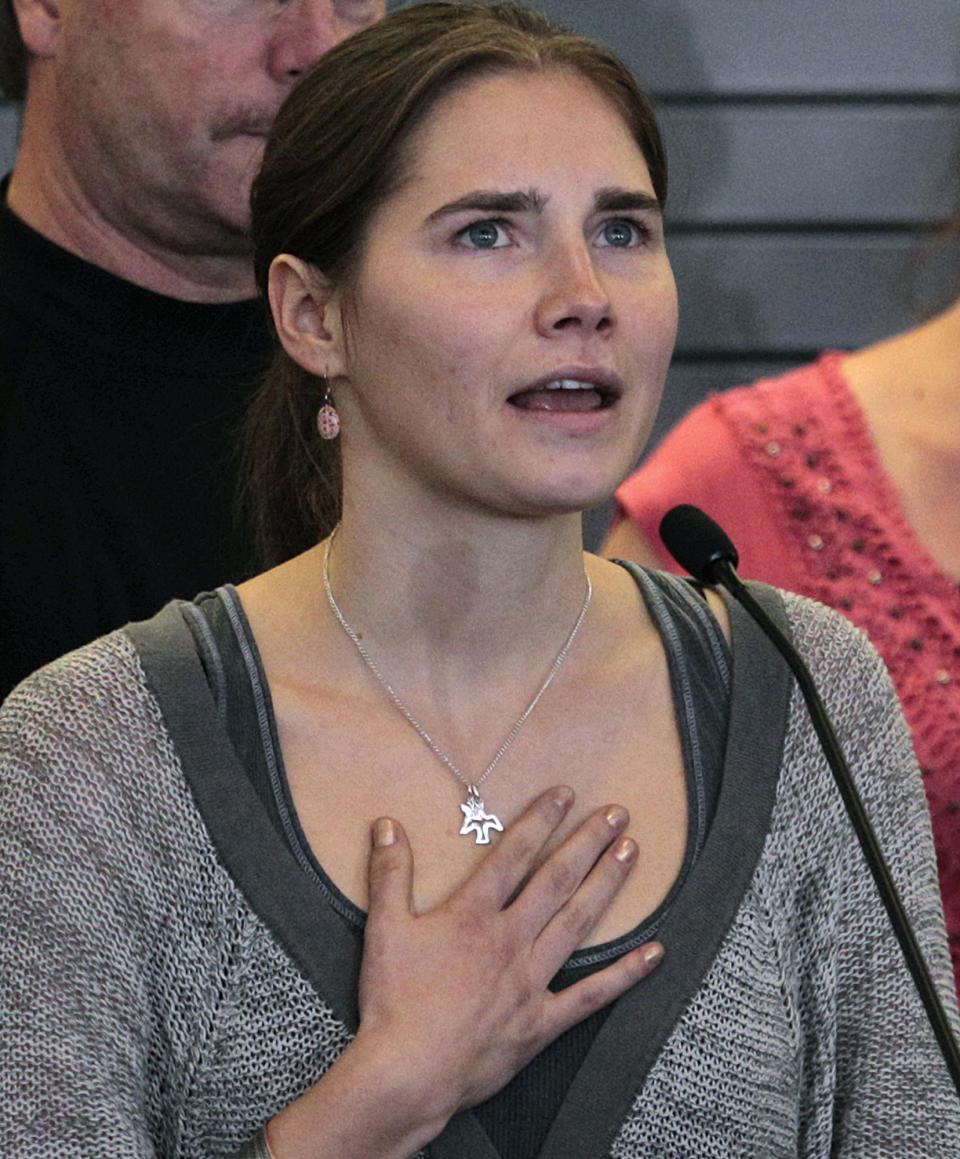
x=509, y=326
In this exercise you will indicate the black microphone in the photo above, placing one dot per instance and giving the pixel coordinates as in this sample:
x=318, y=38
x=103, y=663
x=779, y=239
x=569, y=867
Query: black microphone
x=701, y=546
x=697, y=543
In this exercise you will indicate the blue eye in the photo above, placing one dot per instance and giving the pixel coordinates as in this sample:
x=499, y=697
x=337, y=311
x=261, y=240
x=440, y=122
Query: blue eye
x=484, y=235
x=620, y=233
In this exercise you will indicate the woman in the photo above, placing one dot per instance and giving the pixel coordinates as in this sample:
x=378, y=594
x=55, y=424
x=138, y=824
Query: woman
x=429, y=714
x=841, y=480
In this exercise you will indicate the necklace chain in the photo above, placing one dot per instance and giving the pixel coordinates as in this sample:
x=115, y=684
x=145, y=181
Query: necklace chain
x=472, y=787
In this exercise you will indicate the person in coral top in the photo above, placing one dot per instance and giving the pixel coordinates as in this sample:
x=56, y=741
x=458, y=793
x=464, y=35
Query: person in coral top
x=841, y=480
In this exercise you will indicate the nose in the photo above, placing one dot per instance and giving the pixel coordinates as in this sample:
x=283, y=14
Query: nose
x=574, y=298
x=303, y=32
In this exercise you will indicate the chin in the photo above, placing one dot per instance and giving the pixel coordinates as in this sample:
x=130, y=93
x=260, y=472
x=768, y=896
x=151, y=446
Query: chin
x=228, y=231
x=592, y=485
x=572, y=498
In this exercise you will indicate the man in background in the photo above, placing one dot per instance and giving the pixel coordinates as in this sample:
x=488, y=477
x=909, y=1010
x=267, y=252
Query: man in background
x=130, y=336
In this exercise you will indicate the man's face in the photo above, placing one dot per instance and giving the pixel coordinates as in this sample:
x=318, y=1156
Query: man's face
x=162, y=106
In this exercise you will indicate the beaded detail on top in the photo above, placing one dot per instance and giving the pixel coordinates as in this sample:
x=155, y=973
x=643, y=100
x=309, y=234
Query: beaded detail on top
x=804, y=451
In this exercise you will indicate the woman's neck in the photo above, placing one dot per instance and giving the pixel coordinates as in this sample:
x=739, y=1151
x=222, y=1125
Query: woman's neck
x=482, y=587
x=909, y=390
x=911, y=382
x=463, y=621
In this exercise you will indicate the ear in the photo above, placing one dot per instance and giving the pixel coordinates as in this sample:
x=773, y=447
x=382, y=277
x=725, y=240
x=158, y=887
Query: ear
x=306, y=313
x=40, y=23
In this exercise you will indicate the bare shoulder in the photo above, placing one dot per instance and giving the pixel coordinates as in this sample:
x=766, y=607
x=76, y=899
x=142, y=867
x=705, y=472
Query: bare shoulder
x=719, y=609
x=625, y=541
x=282, y=606
x=280, y=583
x=925, y=354
x=624, y=606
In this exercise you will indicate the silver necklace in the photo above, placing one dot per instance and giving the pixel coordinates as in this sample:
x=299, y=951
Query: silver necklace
x=476, y=819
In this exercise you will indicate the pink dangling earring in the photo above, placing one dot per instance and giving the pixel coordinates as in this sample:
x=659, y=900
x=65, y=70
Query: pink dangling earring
x=328, y=421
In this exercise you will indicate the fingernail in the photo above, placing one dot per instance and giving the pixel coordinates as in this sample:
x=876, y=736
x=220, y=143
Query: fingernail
x=383, y=832
x=625, y=850
x=563, y=798
x=651, y=955
x=617, y=816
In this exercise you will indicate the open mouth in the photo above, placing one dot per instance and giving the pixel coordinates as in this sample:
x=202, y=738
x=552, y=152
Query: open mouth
x=568, y=395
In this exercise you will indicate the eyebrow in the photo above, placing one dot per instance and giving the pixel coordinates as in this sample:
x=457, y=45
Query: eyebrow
x=531, y=201
x=614, y=199
x=493, y=201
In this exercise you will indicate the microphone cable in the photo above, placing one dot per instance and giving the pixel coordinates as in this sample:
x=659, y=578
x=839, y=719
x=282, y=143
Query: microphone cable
x=705, y=550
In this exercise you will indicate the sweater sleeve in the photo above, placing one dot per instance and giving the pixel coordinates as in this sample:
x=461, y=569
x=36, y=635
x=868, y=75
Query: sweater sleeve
x=701, y=462
x=884, y=1052
x=91, y=862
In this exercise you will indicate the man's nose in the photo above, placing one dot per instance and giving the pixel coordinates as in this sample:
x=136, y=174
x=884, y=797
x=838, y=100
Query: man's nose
x=304, y=31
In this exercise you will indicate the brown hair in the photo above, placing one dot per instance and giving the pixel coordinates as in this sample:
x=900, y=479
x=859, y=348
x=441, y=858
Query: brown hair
x=336, y=152
x=13, y=55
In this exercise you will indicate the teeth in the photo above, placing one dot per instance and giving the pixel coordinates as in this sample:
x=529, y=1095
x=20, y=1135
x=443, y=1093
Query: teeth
x=569, y=384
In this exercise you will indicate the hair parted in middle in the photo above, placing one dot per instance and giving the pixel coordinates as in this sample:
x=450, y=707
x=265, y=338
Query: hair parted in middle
x=337, y=151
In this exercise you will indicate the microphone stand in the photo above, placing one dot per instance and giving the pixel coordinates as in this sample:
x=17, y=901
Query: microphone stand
x=722, y=571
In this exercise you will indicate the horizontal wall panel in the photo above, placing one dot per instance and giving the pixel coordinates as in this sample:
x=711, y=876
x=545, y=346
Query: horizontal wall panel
x=782, y=293
x=9, y=129
x=782, y=47
x=875, y=164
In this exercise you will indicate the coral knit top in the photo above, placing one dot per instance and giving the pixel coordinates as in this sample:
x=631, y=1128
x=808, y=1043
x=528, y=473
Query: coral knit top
x=789, y=468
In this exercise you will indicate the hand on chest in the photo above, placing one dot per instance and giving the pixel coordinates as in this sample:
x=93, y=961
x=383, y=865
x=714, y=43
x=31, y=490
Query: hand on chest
x=371, y=764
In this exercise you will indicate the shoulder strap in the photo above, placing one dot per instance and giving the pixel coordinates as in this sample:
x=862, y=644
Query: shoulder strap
x=698, y=661
x=323, y=947
x=642, y=1020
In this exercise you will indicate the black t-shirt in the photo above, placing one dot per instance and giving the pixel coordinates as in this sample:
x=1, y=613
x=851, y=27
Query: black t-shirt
x=119, y=409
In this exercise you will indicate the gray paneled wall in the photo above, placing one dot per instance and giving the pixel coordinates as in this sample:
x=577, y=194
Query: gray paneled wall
x=9, y=123
x=814, y=147
x=811, y=143
x=793, y=47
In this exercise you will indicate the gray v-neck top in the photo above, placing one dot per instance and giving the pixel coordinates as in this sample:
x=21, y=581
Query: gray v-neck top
x=181, y=977
x=518, y=1117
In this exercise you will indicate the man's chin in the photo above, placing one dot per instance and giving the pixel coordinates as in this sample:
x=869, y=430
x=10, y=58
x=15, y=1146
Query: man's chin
x=215, y=228
x=230, y=177
x=222, y=209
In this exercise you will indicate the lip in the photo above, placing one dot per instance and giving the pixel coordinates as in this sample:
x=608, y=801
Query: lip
x=233, y=129
x=574, y=423
x=607, y=381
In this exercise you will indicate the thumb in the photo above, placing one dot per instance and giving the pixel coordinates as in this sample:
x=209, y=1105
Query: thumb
x=390, y=871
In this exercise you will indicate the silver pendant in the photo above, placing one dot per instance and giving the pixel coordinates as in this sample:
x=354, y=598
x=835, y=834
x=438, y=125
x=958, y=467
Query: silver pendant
x=476, y=820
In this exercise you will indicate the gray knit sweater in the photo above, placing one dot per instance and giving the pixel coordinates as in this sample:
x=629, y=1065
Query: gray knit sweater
x=170, y=978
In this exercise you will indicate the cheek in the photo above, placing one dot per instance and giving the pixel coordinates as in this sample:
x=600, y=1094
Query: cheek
x=415, y=331
x=204, y=92
x=656, y=319
x=672, y=310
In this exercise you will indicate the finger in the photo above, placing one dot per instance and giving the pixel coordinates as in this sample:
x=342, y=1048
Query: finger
x=389, y=872
x=590, y=994
x=571, y=924
x=510, y=861
x=563, y=873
